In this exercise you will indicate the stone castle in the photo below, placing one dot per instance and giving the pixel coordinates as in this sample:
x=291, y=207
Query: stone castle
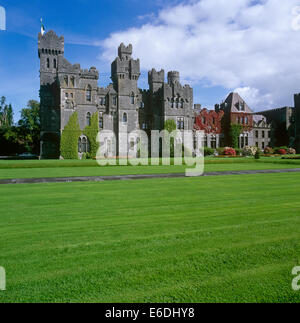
x=66, y=88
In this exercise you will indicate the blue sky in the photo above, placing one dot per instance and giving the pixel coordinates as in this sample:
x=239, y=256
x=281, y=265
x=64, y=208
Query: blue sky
x=215, y=51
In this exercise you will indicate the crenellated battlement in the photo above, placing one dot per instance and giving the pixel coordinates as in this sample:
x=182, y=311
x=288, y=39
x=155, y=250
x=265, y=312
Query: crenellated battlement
x=50, y=43
x=92, y=73
x=125, y=52
x=156, y=76
x=173, y=77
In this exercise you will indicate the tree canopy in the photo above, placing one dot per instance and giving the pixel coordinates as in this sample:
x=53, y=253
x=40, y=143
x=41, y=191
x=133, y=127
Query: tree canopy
x=6, y=113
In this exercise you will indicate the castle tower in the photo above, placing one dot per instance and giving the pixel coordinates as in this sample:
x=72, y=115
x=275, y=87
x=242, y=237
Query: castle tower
x=50, y=51
x=156, y=80
x=125, y=72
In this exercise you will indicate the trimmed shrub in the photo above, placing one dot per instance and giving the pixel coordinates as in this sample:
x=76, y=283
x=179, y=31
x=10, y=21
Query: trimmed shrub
x=91, y=132
x=257, y=154
x=220, y=150
x=291, y=151
x=69, y=138
x=238, y=151
x=208, y=151
x=249, y=151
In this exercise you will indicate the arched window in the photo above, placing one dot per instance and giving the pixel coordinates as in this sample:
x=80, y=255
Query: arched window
x=125, y=118
x=79, y=145
x=132, y=98
x=83, y=145
x=89, y=94
x=54, y=63
x=72, y=81
x=88, y=119
x=48, y=62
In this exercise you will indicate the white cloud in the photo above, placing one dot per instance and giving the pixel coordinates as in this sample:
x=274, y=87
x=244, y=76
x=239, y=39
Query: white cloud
x=234, y=44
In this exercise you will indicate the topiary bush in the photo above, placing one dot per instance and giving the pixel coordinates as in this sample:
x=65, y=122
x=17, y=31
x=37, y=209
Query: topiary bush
x=91, y=132
x=69, y=138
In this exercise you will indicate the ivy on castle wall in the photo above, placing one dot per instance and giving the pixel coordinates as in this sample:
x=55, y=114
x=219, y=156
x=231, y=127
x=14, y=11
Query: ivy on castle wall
x=69, y=138
x=234, y=134
x=91, y=133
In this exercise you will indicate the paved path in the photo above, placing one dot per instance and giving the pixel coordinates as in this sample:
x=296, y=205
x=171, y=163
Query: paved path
x=136, y=177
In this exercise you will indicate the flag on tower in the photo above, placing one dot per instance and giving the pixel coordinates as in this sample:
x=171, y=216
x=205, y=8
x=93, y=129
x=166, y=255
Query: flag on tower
x=42, y=28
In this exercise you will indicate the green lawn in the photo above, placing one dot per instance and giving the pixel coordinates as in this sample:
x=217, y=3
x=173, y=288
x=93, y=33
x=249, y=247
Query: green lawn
x=37, y=169
x=202, y=239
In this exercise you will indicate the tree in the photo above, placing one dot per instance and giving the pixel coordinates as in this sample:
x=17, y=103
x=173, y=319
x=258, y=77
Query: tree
x=30, y=126
x=6, y=113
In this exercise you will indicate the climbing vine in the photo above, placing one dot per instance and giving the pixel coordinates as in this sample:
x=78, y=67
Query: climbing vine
x=69, y=138
x=91, y=132
x=234, y=134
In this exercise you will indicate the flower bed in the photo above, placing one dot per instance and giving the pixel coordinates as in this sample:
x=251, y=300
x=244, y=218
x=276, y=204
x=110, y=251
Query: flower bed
x=229, y=156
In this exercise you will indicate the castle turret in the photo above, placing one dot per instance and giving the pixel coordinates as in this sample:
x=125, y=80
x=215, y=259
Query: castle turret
x=173, y=77
x=125, y=52
x=51, y=51
x=125, y=68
